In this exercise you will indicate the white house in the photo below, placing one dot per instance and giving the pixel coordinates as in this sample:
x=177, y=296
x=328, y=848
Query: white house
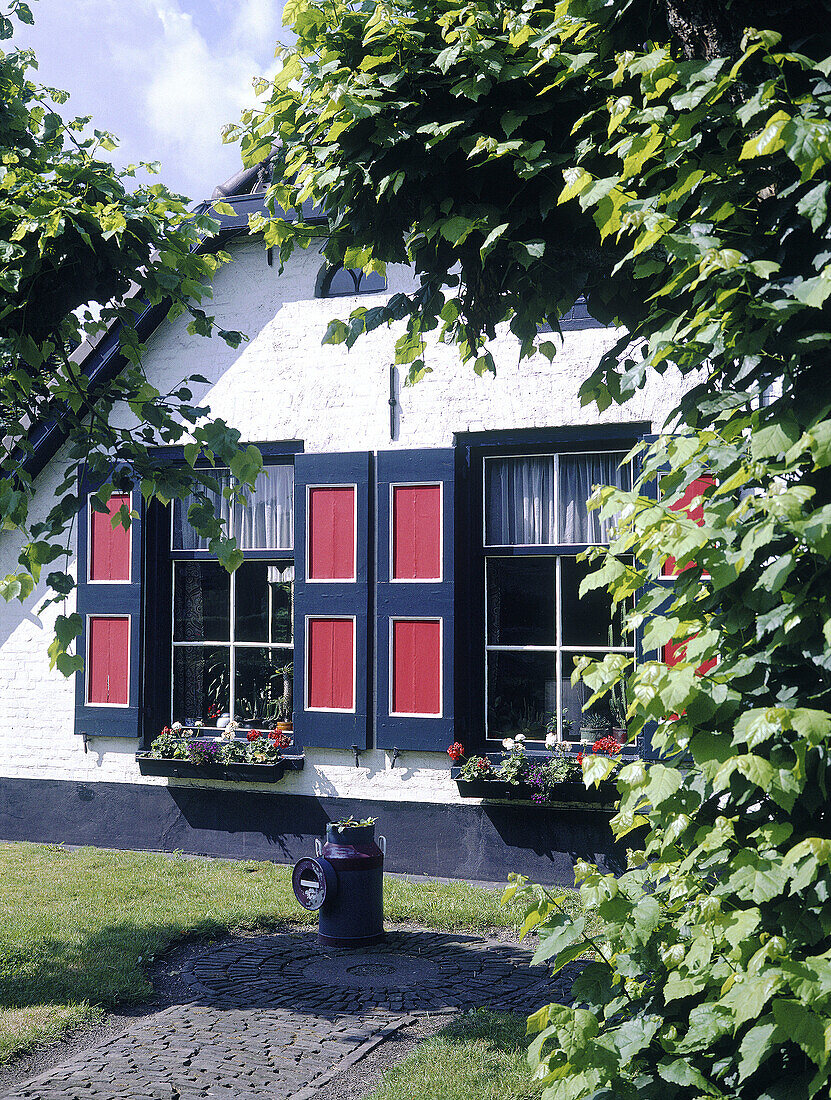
x=410, y=550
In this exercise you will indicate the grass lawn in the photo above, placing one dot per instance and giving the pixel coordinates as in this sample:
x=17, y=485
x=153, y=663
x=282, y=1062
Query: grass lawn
x=480, y=1054
x=77, y=927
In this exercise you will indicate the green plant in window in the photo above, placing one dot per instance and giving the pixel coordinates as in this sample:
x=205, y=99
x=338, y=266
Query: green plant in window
x=594, y=724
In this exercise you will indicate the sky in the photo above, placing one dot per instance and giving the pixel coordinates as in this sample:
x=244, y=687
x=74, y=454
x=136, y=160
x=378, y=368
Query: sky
x=163, y=76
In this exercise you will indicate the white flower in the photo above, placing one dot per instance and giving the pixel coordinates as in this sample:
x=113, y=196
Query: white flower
x=520, y=737
x=551, y=741
x=508, y=744
x=176, y=727
x=228, y=732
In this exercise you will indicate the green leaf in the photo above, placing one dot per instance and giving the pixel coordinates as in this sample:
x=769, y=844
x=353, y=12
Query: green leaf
x=804, y=1027
x=756, y=1046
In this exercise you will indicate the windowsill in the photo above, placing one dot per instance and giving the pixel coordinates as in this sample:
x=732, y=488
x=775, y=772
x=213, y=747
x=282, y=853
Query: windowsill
x=235, y=773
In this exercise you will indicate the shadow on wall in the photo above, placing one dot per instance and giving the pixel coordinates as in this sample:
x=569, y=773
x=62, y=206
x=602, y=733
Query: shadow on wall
x=14, y=613
x=553, y=834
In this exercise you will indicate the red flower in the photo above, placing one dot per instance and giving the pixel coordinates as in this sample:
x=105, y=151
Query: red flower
x=456, y=751
x=280, y=739
x=610, y=745
x=253, y=735
x=580, y=757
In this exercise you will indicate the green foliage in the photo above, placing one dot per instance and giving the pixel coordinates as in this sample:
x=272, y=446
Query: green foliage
x=82, y=248
x=673, y=163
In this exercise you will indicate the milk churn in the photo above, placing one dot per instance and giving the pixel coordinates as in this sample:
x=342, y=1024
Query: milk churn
x=345, y=882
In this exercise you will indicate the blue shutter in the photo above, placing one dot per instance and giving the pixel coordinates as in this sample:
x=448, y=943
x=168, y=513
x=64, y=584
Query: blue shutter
x=331, y=600
x=406, y=600
x=109, y=599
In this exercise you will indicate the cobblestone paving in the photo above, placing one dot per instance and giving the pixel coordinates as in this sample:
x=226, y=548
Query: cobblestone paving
x=276, y=1016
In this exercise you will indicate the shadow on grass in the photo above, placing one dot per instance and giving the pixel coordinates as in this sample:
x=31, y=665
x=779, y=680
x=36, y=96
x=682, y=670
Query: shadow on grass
x=107, y=968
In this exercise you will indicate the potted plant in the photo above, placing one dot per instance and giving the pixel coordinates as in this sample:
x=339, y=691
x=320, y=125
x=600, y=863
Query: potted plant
x=181, y=753
x=537, y=778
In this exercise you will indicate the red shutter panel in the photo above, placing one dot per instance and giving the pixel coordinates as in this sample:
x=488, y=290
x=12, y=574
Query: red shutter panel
x=108, y=661
x=109, y=547
x=416, y=532
x=330, y=675
x=416, y=667
x=331, y=523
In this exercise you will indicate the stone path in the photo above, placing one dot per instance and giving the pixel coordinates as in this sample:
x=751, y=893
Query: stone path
x=278, y=1016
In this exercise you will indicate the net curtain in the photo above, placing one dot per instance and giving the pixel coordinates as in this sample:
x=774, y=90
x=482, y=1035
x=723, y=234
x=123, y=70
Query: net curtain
x=264, y=522
x=523, y=509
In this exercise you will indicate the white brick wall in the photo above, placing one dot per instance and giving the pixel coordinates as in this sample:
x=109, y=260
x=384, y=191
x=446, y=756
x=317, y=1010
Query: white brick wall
x=283, y=384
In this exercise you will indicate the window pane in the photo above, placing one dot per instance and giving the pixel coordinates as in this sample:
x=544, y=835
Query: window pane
x=265, y=521
x=606, y=716
x=521, y=601
x=201, y=602
x=258, y=684
x=184, y=536
x=587, y=621
x=522, y=693
x=262, y=596
x=578, y=476
x=519, y=501
x=201, y=681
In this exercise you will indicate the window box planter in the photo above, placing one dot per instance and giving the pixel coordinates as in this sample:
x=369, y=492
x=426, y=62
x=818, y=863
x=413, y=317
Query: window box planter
x=604, y=795
x=236, y=773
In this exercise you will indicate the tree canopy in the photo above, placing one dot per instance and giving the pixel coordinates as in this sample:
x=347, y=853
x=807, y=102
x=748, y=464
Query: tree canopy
x=670, y=159
x=84, y=248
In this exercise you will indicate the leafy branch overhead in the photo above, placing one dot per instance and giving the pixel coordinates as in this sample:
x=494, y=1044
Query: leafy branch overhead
x=84, y=249
x=672, y=161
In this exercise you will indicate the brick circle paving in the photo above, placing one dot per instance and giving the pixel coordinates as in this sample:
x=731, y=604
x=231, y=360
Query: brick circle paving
x=276, y=1016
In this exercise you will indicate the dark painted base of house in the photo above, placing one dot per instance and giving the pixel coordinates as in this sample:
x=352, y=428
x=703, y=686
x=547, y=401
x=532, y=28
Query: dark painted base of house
x=480, y=842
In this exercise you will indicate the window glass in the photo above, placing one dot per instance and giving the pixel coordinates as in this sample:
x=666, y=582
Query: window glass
x=201, y=602
x=582, y=723
x=259, y=682
x=522, y=693
x=201, y=683
x=521, y=601
x=232, y=633
x=262, y=604
x=588, y=620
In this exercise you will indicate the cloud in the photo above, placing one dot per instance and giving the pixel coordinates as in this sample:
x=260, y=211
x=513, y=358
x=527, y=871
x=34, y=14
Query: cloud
x=164, y=75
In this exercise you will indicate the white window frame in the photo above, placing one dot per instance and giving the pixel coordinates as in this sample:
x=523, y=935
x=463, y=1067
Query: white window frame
x=557, y=551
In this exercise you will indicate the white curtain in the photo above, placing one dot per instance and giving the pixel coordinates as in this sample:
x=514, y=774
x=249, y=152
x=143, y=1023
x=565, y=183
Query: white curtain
x=578, y=476
x=184, y=536
x=264, y=522
x=520, y=501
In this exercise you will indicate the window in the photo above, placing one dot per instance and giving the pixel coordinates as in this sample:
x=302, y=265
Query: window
x=536, y=624
x=232, y=634
x=346, y=282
